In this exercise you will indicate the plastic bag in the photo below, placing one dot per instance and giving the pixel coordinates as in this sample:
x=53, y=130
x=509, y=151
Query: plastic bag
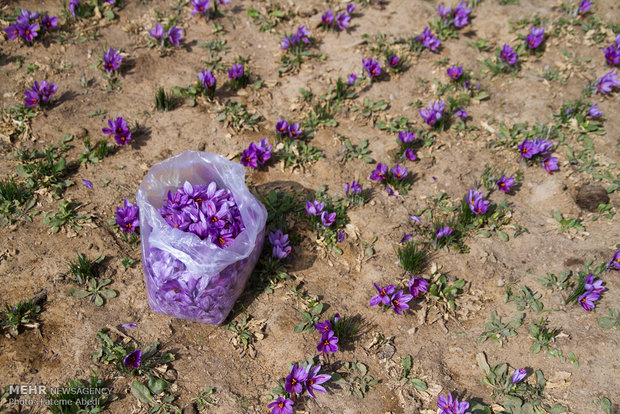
x=187, y=277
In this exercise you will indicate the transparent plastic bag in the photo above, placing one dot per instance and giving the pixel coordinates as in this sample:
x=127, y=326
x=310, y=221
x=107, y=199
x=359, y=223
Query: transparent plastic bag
x=187, y=277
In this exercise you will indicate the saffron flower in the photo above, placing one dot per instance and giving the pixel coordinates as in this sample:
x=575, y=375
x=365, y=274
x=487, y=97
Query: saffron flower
x=508, y=55
x=352, y=189
x=350, y=8
x=462, y=114
x=314, y=208
x=294, y=382
x=256, y=154
x=417, y=286
x=327, y=344
x=410, y=155
x=129, y=325
x=49, y=22
x=341, y=236
x=372, y=67
x=343, y=20
x=527, y=149
x=461, y=15
x=158, y=32
x=612, y=55
x=294, y=130
x=451, y=406
x=518, y=375
x=236, y=75
x=406, y=237
x=505, y=183
x=379, y=173
x=455, y=72
x=279, y=241
x=594, y=112
x=40, y=93
x=112, y=60
x=314, y=381
x=584, y=7
x=200, y=6
x=12, y=31
x=128, y=217
x=615, y=261
x=72, y=5
x=587, y=300
x=429, y=40
x=443, y=11
x=281, y=127
x=118, y=128
x=208, y=81
x=415, y=218
x=175, y=34
x=406, y=136
x=323, y=327
x=133, y=359
x=535, y=38
x=476, y=204
x=592, y=285
x=550, y=164
x=399, y=172
x=393, y=61
x=399, y=302
x=352, y=79
x=281, y=406
x=384, y=295
x=433, y=113
x=443, y=232
x=327, y=18
x=607, y=82
x=87, y=183
x=28, y=31
x=328, y=219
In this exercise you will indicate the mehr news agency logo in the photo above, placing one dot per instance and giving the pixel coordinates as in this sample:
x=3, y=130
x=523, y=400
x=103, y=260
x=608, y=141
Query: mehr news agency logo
x=31, y=395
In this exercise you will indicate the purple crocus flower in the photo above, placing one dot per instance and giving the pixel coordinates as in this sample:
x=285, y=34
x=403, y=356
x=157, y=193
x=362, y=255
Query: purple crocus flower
x=341, y=236
x=462, y=114
x=28, y=31
x=461, y=15
x=281, y=406
x=27, y=16
x=527, y=149
x=409, y=154
x=455, y=71
x=72, y=5
x=433, y=113
x=399, y=172
x=443, y=232
x=314, y=381
x=352, y=189
x=248, y=157
x=207, y=78
x=607, y=82
x=323, y=327
x=314, y=208
x=615, y=261
x=505, y=183
x=429, y=40
x=236, y=71
x=12, y=31
x=587, y=300
x=443, y=10
x=263, y=151
x=158, y=32
x=448, y=405
x=87, y=183
x=352, y=79
x=393, y=61
x=592, y=285
x=327, y=344
x=200, y=6
x=508, y=55
x=379, y=173
x=175, y=34
x=328, y=219
x=133, y=360
x=128, y=217
x=350, y=8
x=584, y=7
x=372, y=67
x=281, y=127
x=112, y=60
x=343, y=20
x=384, y=295
x=476, y=204
x=406, y=136
x=49, y=22
x=594, y=112
x=550, y=164
x=31, y=99
x=294, y=383
x=129, y=325
x=612, y=55
x=327, y=18
x=415, y=218
x=118, y=128
x=417, y=286
x=518, y=375
x=281, y=252
x=535, y=38
x=406, y=237
x=294, y=130
x=302, y=34
x=399, y=302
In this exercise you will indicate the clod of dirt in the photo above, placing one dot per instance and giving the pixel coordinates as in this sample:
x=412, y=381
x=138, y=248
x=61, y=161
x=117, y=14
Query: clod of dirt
x=589, y=196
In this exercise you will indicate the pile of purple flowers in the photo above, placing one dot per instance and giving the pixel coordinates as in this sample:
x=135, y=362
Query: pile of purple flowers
x=341, y=21
x=128, y=217
x=612, y=52
x=315, y=209
x=112, y=60
x=459, y=17
x=209, y=212
x=476, y=203
x=371, y=67
x=256, y=154
x=296, y=40
x=118, y=128
x=207, y=82
x=301, y=378
x=433, y=114
x=539, y=148
x=39, y=94
x=593, y=289
x=279, y=241
x=607, y=83
x=535, y=38
x=448, y=405
x=388, y=298
x=27, y=27
x=290, y=129
x=172, y=37
x=508, y=56
x=428, y=39
x=328, y=341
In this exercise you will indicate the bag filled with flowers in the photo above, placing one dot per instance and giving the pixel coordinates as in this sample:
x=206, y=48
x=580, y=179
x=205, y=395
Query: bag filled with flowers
x=201, y=231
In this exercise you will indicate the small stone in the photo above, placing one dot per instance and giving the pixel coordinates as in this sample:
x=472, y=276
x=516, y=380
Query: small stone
x=500, y=282
x=388, y=351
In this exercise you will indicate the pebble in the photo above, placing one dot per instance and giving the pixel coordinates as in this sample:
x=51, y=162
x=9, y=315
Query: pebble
x=500, y=282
